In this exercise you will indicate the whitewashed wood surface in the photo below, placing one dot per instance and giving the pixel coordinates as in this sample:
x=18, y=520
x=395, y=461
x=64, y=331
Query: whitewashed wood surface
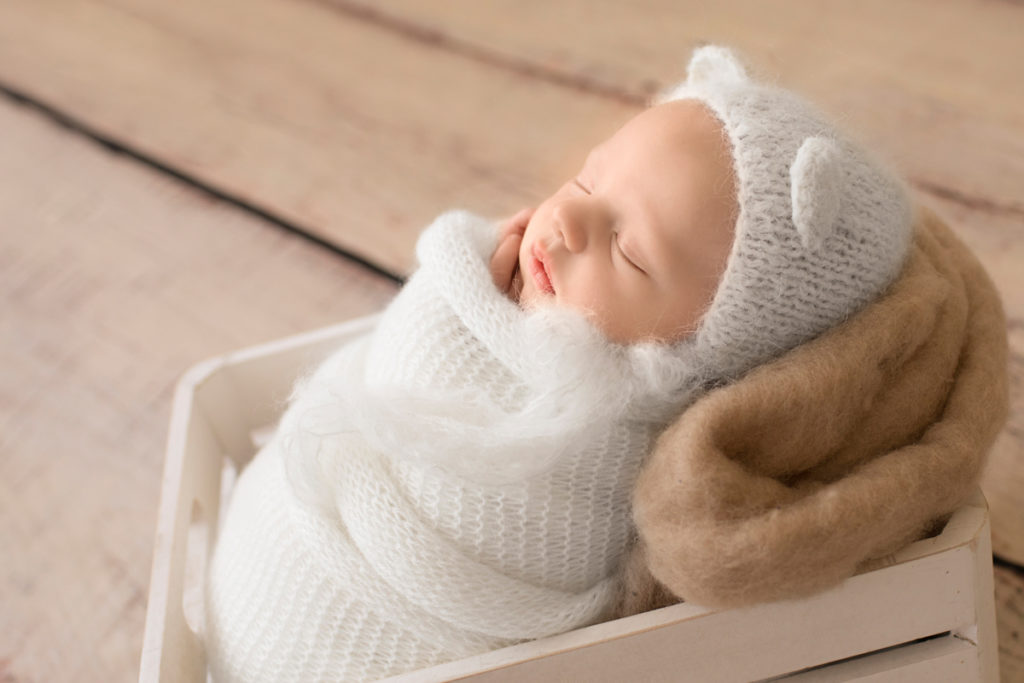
x=357, y=122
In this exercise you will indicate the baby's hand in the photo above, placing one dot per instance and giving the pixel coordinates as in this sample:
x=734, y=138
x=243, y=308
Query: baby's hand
x=505, y=261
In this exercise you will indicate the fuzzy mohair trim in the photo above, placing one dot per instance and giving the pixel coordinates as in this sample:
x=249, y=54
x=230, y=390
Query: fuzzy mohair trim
x=847, y=448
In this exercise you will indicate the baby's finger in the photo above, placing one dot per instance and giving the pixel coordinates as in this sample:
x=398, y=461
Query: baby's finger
x=517, y=223
x=504, y=260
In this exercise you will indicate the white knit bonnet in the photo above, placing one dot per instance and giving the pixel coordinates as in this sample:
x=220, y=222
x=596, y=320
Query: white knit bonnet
x=822, y=228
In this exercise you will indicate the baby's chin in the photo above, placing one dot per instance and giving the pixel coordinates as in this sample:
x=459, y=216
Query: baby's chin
x=532, y=302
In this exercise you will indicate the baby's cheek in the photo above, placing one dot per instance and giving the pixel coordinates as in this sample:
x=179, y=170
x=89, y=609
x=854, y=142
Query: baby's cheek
x=603, y=312
x=627, y=316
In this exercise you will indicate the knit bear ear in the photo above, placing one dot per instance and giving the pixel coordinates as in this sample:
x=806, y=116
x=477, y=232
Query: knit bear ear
x=714, y=64
x=815, y=183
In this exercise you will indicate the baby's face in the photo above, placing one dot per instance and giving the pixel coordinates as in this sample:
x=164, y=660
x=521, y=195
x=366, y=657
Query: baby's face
x=640, y=238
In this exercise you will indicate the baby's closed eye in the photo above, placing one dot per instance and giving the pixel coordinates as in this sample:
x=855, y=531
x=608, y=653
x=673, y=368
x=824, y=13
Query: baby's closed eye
x=631, y=260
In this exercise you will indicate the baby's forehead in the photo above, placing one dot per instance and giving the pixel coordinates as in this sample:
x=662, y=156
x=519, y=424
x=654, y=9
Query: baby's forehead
x=679, y=119
x=678, y=137
x=662, y=134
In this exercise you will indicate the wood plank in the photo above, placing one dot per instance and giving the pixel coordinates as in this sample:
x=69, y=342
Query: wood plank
x=633, y=47
x=114, y=280
x=290, y=105
x=943, y=660
x=1010, y=624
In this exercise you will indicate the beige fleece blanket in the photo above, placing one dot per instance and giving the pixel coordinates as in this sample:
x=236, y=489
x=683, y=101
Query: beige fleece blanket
x=845, y=449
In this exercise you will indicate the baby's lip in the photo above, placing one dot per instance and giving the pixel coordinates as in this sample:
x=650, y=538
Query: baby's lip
x=540, y=269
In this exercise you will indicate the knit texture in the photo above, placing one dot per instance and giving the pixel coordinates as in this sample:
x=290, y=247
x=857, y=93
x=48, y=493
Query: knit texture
x=822, y=228
x=789, y=480
x=456, y=482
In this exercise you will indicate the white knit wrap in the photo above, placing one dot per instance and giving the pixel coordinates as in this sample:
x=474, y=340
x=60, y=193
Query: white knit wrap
x=455, y=482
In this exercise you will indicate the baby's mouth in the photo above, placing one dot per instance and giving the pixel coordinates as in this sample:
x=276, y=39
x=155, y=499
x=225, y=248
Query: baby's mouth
x=539, y=269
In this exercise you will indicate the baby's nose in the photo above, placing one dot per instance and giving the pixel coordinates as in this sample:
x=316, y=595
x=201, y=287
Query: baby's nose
x=576, y=222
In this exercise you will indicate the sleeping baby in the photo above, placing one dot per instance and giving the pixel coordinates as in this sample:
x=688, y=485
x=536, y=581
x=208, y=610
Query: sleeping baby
x=459, y=479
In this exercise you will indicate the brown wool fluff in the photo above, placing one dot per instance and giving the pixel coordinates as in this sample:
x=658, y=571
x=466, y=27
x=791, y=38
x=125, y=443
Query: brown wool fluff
x=783, y=483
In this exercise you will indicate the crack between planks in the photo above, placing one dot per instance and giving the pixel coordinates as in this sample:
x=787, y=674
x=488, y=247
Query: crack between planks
x=969, y=201
x=1004, y=563
x=115, y=146
x=438, y=39
x=964, y=637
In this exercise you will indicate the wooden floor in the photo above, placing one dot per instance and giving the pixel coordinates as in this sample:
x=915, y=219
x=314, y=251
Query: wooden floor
x=178, y=179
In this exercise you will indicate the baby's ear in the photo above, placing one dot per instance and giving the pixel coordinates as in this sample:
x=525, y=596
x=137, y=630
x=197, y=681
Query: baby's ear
x=816, y=186
x=714, y=64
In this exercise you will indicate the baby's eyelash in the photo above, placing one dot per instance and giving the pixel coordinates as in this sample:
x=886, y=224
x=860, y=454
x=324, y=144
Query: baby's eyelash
x=576, y=181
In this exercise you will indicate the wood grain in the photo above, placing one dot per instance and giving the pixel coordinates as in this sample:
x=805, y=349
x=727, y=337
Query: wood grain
x=113, y=281
x=1010, y=624
x=359, y=134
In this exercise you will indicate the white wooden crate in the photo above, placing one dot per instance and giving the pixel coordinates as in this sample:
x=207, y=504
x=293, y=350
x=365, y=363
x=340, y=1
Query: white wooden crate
x=927, y=614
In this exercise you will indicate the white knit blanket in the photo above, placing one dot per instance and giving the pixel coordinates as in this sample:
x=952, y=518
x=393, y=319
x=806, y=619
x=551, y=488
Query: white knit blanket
x=457, y=481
